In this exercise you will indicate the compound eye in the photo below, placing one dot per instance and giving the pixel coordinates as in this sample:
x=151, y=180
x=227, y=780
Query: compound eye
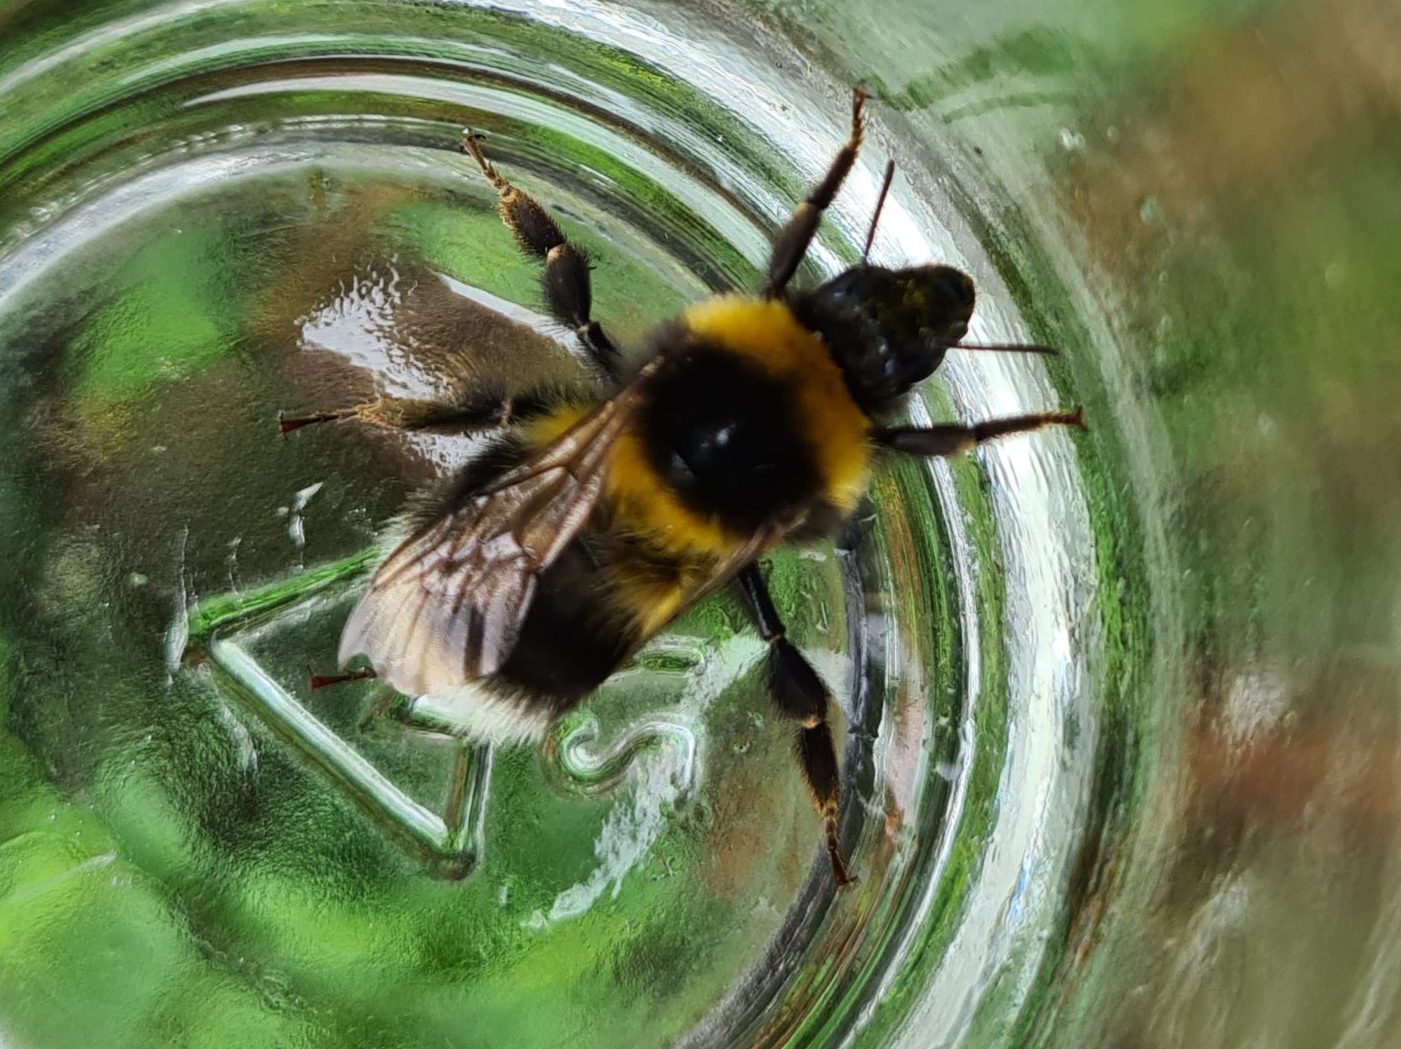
x=848, y=288
x=955, y=287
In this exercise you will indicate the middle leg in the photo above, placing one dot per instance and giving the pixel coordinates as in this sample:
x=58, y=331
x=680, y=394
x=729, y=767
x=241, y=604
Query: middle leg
x=954, y=439
x=799, y=694
x=568, y=290
x=484, y=409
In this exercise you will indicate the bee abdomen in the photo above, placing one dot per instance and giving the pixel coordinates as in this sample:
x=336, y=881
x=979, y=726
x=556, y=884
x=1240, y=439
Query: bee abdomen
x=569, y=643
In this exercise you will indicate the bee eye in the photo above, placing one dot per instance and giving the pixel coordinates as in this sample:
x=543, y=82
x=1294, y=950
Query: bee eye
x=955, y=286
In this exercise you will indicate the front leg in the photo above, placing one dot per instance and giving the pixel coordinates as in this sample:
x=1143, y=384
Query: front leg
x=953, y=439
x=792, y=242
x=799, y=694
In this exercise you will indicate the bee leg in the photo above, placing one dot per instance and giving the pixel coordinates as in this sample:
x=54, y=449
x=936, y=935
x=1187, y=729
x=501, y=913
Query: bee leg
x=953, y=439
x=327, y=680
x=566, y=278
x=792, y=242
x=799, y=693
x=483, y=409
x=854, y=531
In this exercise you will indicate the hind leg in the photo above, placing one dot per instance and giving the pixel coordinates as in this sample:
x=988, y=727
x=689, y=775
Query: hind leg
x=800, y=695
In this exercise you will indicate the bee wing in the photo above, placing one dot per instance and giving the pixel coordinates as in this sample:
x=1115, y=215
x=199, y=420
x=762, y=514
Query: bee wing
x=447, y=605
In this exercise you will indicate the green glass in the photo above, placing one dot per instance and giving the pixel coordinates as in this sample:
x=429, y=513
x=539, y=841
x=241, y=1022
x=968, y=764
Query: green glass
x=1120, y=718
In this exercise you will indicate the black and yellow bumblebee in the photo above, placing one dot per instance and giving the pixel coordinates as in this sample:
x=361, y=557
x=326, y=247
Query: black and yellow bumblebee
x=599, y=515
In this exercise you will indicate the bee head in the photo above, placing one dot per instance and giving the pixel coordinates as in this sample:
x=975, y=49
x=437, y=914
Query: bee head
x=889, y=329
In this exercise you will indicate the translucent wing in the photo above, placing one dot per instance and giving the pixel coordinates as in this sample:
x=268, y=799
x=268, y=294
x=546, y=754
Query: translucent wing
x=447, y=605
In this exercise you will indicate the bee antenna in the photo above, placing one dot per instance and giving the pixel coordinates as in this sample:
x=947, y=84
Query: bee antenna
x=1011, y=347
x=880, y=203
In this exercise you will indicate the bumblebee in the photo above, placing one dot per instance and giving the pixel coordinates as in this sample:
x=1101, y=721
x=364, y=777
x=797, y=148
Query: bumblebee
x=600, y=515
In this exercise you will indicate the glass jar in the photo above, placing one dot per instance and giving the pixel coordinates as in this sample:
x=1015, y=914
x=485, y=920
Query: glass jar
x=1119, y=708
